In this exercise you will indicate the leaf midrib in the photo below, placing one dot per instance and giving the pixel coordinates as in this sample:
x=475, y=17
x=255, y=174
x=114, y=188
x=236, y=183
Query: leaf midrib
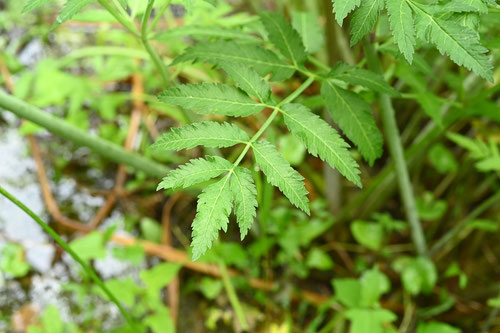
x=195, y=174
x=227, y=101
x=298, y=197
x=285, y=40
x=353, y=175
x=436, y=23
x=355, y=117
x=254, y=60
x=201, y=138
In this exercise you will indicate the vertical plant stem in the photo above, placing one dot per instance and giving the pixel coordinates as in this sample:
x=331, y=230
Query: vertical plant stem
x=72, y=253
x=397, y=154
x=158, y=15
x=120, y=17
x=160, y=66
x=129, y=25
x=233, y=297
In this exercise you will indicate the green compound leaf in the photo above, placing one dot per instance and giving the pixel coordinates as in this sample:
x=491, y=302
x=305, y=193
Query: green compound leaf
x=460, y=43
x=212, y=98
x=214, y=206
x=245, y=199
x=342, y=8
x=248, y=80
x=306, y=24
x=364, y=19
x=362, y=77
x=70, y=9
x=321, y=140
x=280, y=174
x=284, y=37
x=33, y=4
x=474, y=5
x=206, y=133
x=195, y=171
x=401, y=22
x=354, y=117
x=260, y=59
x=204, y=32
x=460, y=6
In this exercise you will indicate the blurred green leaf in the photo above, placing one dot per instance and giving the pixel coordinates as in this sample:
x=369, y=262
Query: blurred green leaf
x=51, y=322
x=292, y=148
x=124, y=289
x=442, y=159
x=159, y=276
x=151, y=230
x=436, y=327
x=369, y=234
x=455, y=270
x=430, y=209
x=90, y=246
x=12, y=260
x=417, y=275
x=210, y=288
x=233, y=254
x=134, y=254
x=373, y=285
x=494, y=302
x=369, y=321
x=484, y=225
x=160, y=321
x=348, y=292
x=319, y=259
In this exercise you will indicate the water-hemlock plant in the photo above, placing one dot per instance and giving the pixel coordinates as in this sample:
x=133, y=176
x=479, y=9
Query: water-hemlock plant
x=250, y=65
x=450, y=25
x=246, y=65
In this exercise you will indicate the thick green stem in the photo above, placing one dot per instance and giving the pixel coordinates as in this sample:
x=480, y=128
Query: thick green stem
x=120, y=17
x=79, y=137
x=129, y=25
x=397, y=154
x=160, y=66
x=72, y=253
x=233, y=297
x=158, y=15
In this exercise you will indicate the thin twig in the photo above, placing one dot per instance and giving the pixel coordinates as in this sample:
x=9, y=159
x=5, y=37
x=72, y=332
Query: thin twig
x=233, y=297
x=445, y=243
x=7, y=78
x=160, y=66
x=173, y=288
x=47, y=195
